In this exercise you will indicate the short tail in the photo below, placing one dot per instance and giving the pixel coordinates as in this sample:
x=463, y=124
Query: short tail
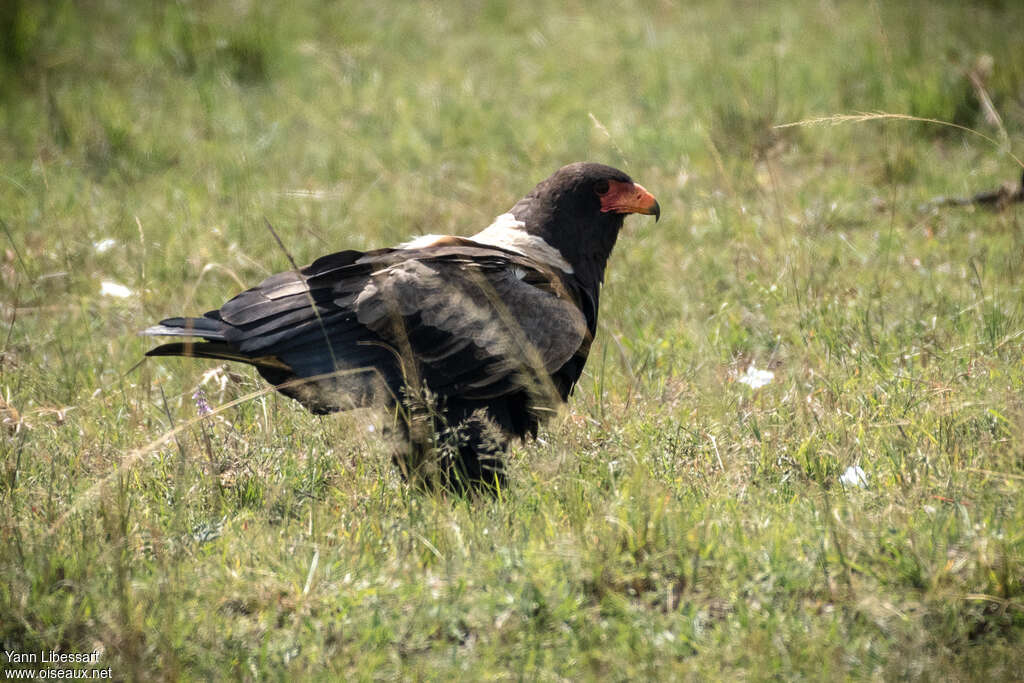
x=209, y=329
x=207, y=339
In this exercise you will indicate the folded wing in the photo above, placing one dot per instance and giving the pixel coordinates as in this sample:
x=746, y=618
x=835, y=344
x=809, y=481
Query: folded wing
x=469, y=321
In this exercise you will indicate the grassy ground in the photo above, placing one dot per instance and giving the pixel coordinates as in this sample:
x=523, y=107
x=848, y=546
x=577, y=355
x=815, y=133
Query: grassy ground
x=674, y=522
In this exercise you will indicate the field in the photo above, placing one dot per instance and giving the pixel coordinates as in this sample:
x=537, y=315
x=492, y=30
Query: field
x=674, y=521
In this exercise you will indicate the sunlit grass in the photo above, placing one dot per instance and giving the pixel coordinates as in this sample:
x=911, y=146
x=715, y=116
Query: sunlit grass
x=677, y=520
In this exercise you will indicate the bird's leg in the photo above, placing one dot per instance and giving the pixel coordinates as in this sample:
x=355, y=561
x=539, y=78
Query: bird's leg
x=469, y=457
x=418, y=426
x=473, y=455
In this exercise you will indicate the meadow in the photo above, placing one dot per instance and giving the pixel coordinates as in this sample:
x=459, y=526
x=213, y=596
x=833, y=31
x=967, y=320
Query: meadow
x=678, y=520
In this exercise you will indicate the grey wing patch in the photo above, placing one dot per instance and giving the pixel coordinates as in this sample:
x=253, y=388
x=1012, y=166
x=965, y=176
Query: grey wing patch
x=277, y=294
x=511, y=322
x=328, y=276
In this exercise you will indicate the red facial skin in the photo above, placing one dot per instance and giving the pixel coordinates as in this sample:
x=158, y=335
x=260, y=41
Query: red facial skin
x=629, y=198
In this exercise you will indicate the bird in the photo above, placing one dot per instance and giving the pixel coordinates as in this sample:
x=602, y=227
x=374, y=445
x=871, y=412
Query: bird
x=468, y=343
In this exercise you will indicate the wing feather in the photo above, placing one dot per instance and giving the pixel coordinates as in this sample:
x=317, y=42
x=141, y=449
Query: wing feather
x=499, y=323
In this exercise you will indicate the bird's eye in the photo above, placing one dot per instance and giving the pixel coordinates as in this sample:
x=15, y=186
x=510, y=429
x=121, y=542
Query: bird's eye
x=601, y=187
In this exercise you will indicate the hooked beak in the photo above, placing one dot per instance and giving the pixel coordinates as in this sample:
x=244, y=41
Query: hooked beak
x=630, y=198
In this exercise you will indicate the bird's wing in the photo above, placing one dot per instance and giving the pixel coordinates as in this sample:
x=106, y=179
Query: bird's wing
x=475, y=322
x=468, y=320
x=293, y=310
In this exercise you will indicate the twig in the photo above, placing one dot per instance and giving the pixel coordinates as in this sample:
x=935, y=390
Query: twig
x=997, y=199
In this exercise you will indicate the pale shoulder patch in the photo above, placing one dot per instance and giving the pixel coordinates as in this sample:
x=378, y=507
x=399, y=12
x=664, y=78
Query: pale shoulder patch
x=422, y=242
x=507, y=232
x=505, y=221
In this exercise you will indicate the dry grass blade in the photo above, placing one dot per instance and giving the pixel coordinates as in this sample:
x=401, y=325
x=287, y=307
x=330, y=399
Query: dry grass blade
x=309, y=295
x=861, y=117
x=137, y=454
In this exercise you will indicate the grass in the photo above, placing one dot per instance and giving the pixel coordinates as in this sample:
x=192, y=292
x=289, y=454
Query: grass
x=672, y=523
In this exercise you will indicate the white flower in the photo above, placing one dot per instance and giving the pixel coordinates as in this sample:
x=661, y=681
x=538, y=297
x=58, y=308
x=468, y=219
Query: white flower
x=110, y=288
x=755, y=379
x=104, y=245
x=854, y=476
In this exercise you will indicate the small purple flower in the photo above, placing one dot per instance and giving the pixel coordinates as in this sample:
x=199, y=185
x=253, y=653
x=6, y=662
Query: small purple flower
x=202, y=407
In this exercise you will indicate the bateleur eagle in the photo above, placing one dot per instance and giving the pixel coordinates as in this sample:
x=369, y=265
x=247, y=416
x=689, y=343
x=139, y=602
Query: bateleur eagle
x=468, y=341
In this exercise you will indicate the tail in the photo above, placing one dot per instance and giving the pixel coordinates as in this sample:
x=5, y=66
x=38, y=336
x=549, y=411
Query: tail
x=212, y=335
x=210, y=329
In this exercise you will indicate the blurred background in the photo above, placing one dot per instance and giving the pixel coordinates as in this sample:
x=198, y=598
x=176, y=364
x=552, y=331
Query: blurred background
x=167, y=131
x=347, y=122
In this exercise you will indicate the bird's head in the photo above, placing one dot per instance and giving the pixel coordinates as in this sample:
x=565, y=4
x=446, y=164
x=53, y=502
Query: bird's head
x=593, y=192
x=576, y=213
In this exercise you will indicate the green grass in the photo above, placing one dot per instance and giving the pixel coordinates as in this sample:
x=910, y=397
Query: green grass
x=672, y=523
